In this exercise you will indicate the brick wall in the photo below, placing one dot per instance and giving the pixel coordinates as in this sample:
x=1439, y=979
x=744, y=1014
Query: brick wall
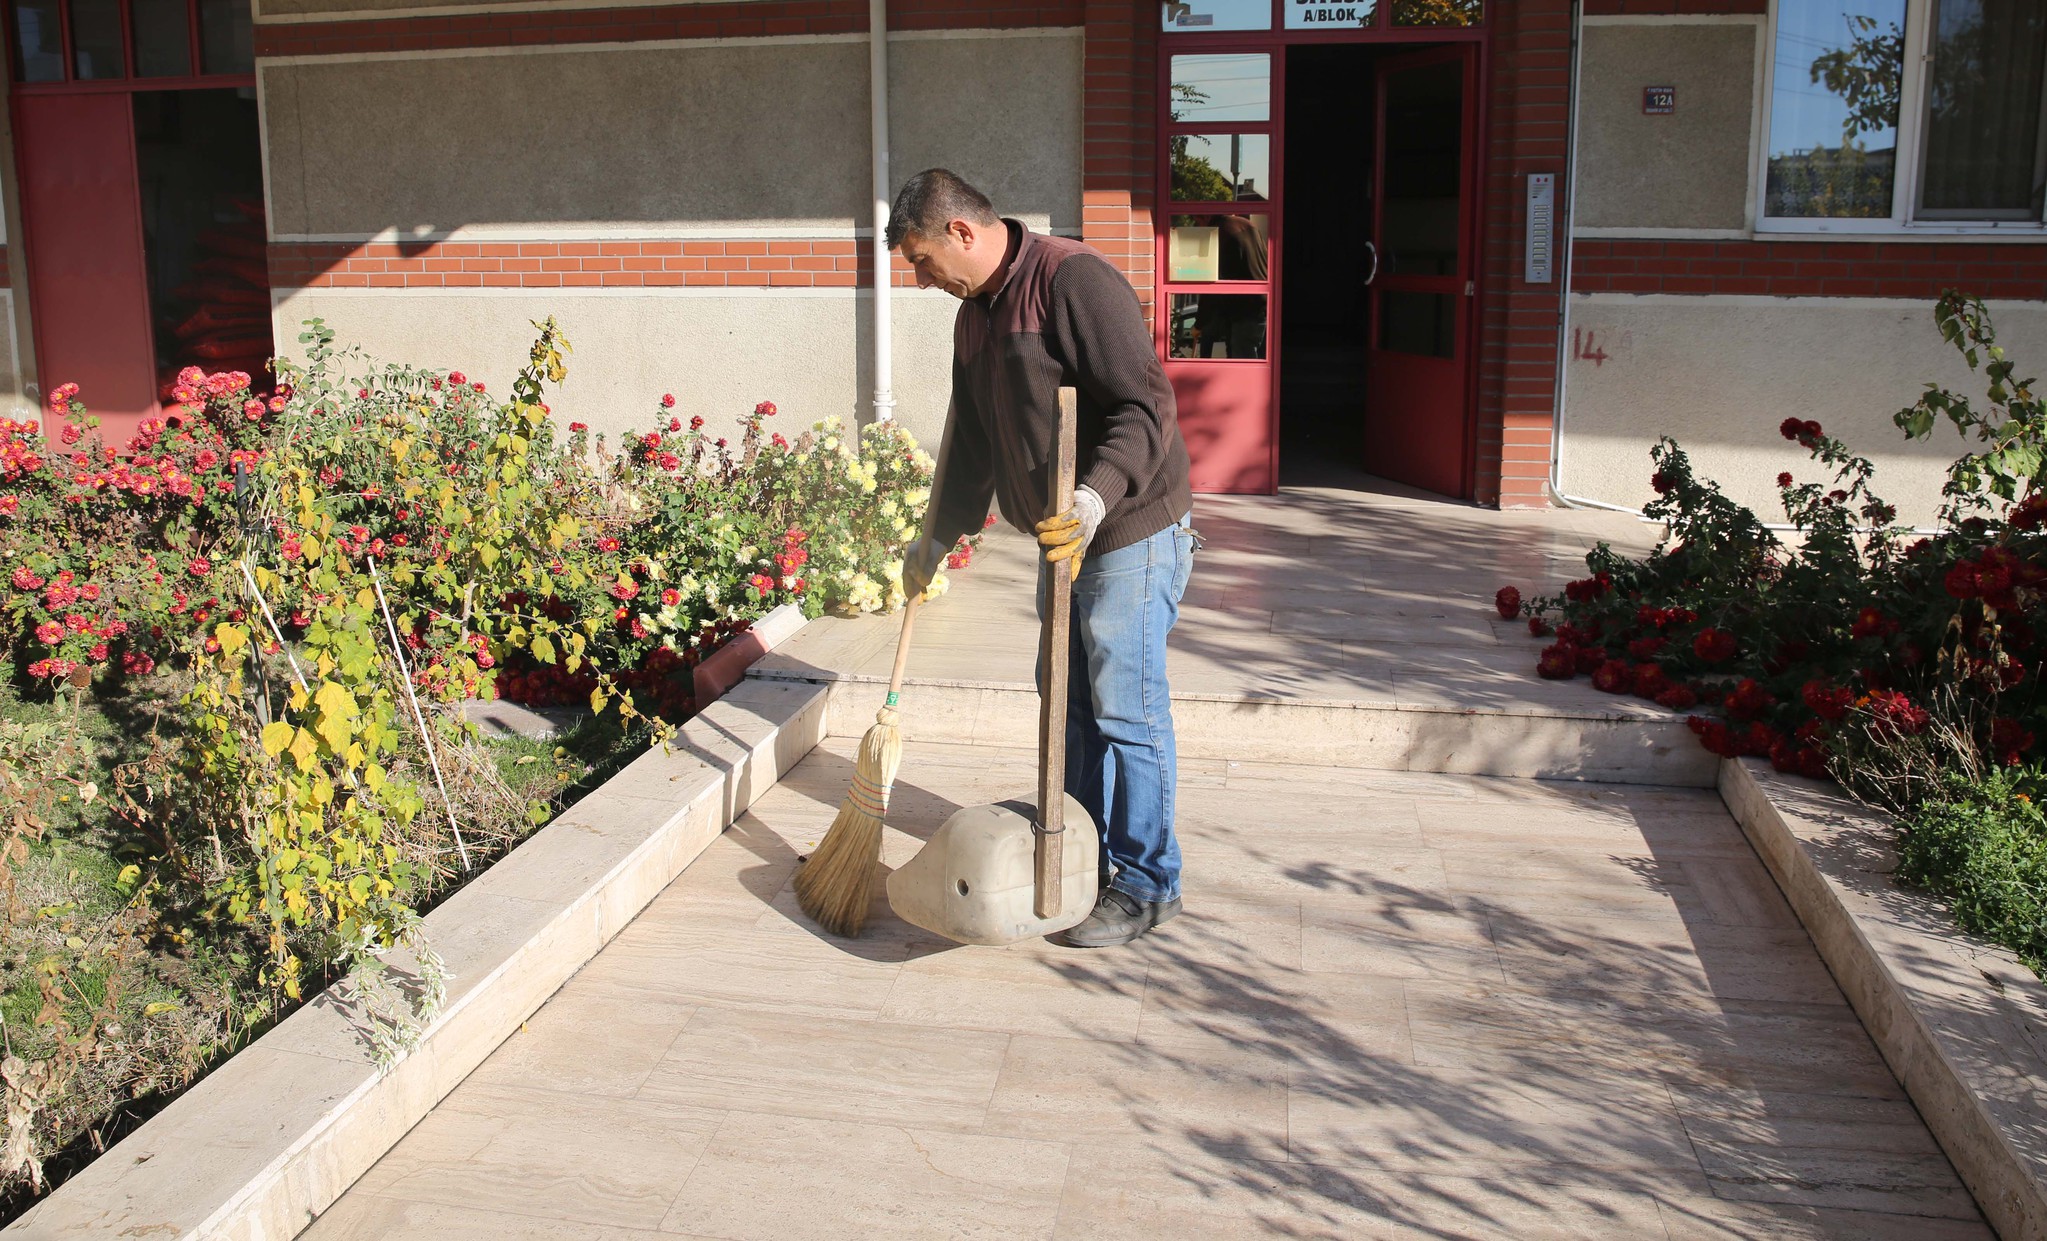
x=794, y=263
x=1809, y=268
x=681, y=21
x=1119, y=131
x=1526, y=133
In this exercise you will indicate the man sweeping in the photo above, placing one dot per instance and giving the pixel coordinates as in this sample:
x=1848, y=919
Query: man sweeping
x=1036, y=313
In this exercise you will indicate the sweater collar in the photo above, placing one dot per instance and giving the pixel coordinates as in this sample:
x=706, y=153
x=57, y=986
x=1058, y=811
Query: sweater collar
x=1020, y=243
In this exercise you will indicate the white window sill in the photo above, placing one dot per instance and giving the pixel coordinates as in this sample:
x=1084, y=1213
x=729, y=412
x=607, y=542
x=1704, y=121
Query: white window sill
x=1800, y=231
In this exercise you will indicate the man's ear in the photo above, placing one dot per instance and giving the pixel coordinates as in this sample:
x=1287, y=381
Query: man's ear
x=963, y=232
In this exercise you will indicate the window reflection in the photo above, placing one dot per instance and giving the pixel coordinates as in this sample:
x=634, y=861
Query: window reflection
x=1214, y=168
x=1418, y=227
x=226, y=38
x=1438, y=12
x=1218, y=247
x=1218, y=325
x=163, y=38
x=39, y=41
x=1234, y=87
x=1834, y=108
x=1216, y=15
x=96, y=40
x=1984, y=158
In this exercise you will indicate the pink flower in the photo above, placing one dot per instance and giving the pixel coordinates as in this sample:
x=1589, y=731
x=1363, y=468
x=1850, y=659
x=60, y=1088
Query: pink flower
x=765, y=409
x=455, y=377
x=50, y=633
x=198, y=566
x=577, y=427
x=667, y=401
x=670, y=597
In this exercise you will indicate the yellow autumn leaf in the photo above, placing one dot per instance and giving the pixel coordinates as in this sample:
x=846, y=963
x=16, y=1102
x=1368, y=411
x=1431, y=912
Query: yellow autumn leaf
x=277, y=737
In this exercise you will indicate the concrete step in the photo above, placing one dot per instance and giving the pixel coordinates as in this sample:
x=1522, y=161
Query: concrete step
x=1628, y=745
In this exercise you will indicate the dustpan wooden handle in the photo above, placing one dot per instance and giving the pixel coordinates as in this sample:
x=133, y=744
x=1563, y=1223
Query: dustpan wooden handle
x=1058, y=633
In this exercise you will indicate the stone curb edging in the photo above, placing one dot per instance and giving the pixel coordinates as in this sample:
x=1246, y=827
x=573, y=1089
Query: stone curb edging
x=1961, y=1022
x=275, y=1135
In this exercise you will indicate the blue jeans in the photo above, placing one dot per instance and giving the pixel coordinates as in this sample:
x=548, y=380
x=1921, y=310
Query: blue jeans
x=1120, y=760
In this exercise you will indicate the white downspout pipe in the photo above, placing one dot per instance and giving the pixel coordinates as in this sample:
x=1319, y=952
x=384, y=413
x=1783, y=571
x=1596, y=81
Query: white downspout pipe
x=877, y=111
x=1568, y=226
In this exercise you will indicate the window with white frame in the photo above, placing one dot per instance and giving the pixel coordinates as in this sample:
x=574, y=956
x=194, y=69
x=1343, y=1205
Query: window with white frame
x=1893, y=114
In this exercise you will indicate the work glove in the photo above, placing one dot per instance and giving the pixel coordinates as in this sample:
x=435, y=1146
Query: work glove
x=920, y=564
x=1065, y=537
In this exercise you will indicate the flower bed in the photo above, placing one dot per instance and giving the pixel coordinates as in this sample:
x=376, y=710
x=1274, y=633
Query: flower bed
x=307, y=578
x=1902, y=664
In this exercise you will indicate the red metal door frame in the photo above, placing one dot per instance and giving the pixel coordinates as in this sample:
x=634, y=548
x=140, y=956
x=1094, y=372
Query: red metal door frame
x=1272, y=209
x=1275, y=40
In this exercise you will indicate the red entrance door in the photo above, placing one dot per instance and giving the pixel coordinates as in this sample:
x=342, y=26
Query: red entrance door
x=88, y=282
x=1417, y=391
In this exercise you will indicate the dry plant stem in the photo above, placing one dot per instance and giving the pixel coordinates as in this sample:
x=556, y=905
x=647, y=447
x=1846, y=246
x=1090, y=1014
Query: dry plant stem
x=836, y=886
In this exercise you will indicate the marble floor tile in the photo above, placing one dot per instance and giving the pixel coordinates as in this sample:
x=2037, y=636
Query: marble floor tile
x=782, y=1178
x=820, y=1067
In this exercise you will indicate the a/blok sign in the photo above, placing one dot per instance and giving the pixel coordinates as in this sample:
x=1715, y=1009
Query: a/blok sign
x=1323, y=15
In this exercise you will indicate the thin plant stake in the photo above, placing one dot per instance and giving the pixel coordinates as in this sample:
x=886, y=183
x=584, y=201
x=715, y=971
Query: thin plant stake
x=276, y=632
x=425, y=733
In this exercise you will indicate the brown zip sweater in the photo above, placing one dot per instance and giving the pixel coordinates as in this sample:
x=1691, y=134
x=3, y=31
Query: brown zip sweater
x=1062, y=316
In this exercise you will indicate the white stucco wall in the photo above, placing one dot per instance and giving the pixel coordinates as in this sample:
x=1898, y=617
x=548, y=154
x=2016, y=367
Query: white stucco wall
x=719, y=352
x=1720, y=373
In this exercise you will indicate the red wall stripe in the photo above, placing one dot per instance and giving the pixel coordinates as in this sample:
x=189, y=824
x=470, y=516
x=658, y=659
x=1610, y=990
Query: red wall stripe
x=679, y=21
x=1810, y=268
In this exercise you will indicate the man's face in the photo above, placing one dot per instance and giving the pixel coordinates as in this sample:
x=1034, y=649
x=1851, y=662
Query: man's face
x=947, y=261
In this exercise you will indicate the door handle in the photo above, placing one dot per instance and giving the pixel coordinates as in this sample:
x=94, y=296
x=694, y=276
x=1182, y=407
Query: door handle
x=1373, y=274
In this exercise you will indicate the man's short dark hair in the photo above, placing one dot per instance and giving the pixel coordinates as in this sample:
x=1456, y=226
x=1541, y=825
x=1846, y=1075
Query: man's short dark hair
x=932, y=198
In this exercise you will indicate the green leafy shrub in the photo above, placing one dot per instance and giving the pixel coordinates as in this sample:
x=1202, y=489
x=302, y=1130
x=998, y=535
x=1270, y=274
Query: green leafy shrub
x=1982, y=845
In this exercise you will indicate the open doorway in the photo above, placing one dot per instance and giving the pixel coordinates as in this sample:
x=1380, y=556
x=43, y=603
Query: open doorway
x=1377, y=273
x=1331, y=130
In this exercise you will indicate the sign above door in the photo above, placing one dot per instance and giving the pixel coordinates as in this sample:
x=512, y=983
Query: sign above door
x=1322, y=15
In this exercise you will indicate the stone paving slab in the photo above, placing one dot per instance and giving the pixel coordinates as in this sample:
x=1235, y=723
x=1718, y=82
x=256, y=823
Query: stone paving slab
x=1382, y=1021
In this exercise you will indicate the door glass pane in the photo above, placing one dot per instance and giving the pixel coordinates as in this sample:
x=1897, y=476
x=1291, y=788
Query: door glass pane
x=1232, y=87
x=1218, y=247
x=1323, y=15
x=226, y=44
x=1220, y=168
x=1418, y=323
x=1424, y=162
x=39, y=41
x=1438, y=12
x=1983, y=148
x=1217, y=15
x=1217, y=325
x=1834, y=108
x=96, y=39
x=163, y=38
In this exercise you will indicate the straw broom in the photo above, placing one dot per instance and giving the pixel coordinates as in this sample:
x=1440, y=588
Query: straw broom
x=836, y=886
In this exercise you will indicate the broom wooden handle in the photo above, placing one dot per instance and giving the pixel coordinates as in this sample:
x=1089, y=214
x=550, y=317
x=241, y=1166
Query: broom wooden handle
x=895, y=676
x=1050, y=863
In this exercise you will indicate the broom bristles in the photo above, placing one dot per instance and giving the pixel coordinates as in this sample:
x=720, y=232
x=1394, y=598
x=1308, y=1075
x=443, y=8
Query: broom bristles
x=836, y=886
